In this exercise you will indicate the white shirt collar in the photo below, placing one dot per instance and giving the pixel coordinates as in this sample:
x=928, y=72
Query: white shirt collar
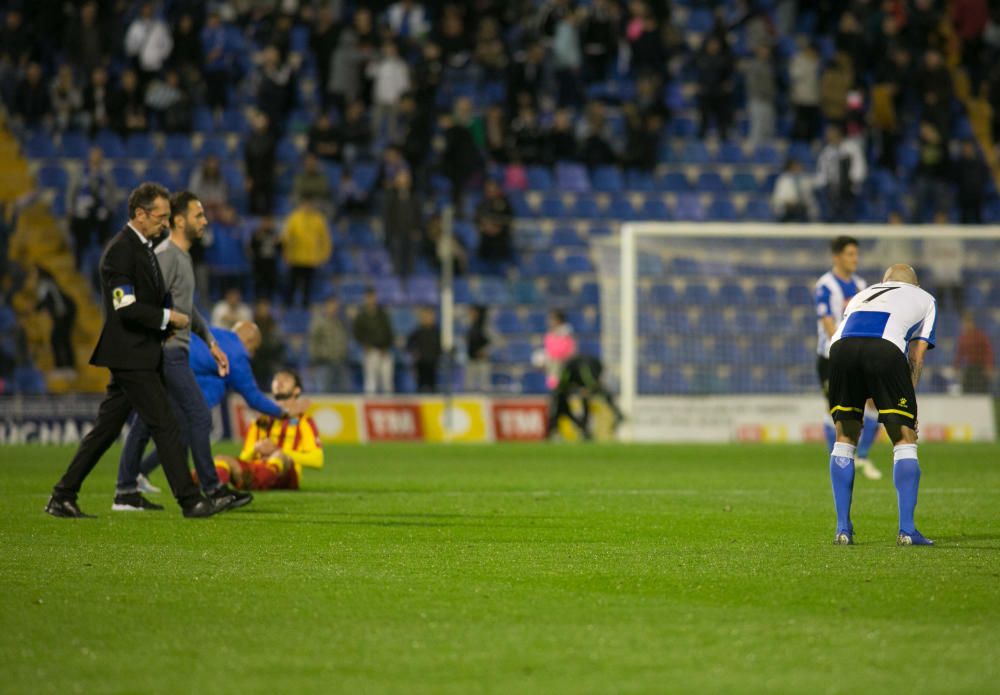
x=144, y=240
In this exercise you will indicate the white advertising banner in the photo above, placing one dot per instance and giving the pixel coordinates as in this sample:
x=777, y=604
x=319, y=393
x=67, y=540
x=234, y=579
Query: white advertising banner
x=793, y=419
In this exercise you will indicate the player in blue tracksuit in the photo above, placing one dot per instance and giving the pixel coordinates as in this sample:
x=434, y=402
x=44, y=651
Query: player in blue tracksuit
x=239, y=345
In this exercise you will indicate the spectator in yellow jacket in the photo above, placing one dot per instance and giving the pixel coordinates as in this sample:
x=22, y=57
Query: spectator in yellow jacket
x=306, y=244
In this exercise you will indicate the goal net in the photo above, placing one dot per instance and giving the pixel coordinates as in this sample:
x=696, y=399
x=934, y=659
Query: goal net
x=728, y=310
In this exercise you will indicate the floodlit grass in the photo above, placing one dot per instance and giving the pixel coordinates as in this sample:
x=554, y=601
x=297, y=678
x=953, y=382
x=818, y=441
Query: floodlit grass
x=510, y=569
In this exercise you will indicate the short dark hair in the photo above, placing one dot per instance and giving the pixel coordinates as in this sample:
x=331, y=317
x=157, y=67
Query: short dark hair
x=841, y=243
x=179, y=202
x=292, y=373
x=144, y=195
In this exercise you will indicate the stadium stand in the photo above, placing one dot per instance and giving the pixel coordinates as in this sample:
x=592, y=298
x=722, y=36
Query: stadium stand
x=561, y=200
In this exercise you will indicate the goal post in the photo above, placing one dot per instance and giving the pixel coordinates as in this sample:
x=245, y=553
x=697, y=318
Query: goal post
x=726, y=308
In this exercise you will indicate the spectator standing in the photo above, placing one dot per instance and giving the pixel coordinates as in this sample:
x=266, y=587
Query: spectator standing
x=527, y=137
x=65, y=98
x=347, y=62
x=803, y=74
x=478, y=372
x=793, y=199
x=217, y=65
x=324, y=139
x=373, y=331
x=567, y=56
x=599, y=36
x=187, y=57
x=841, y=172
x=461, y=161
x=403, y=223
x=527, y=77
x=90, y=200
x=270, y=356
x=208, y=183
x=31, y=97
x=328, y=347
x=643, y=34
x=715, y=87
x=559, y=142
x=974, y=357
x=424, y=344
x=390, y=80
x=62, y=309
x=167, y=98
x=265, y=244
x=494, y=218
x=762, y=90
x=355, y=132
x=323, y=37
x=596, y=149
x=971, y=175
x=85, y=39
x=944, y=255
x=276, y=86
x=97, y=100
x=970, y=18
x=258, y=157
x=231, y=309
x=127, y=108
x=834, y=84
x=311, y=184
x=408, y=20
x=148, y=42
x=932, y=176
x=306, y=245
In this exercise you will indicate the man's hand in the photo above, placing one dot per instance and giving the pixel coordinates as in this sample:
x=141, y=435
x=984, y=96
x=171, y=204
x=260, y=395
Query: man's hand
x=297, y=407
x=178, y=320
x=220, y=359
x=265, y=447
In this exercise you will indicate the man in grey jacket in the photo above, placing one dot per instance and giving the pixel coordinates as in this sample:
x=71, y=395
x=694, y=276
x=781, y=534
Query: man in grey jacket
x=187, y=224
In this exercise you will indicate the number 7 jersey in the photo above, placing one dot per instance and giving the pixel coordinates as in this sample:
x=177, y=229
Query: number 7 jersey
x=894, y=311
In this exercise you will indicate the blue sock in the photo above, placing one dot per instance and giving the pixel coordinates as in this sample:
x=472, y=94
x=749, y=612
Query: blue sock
x=906, y=476
x=868, y=435
x=842, y=477
x=831, y=434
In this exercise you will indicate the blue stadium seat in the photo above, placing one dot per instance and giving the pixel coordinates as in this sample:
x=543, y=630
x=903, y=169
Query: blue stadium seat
x=697, y=295
x=507, y=322
x=765, y=155
x=689, y=208
x=722, y=209
x=53, y=177
x=586, y=208
x=233, y=121
x=178, y=146
x=296, y=321
x=765, y=296
x=621, y=209
x=567, y=236
x=110, y=144
x=590, y=293
x=74, y=145
x=533, y=382
x=140, y=146
x=639, y=181
x=694, y=152
x=608, y=179
x=536, y=322
x=744, y=183
x=39, y=146
x=700, y=21
x=674, y=182
x=203, y=121
x=650, y=264
x=710, y=182
x=365, y=174
x=800, y=295
x=552, y=206
x=423, y=290
x=287, y=153
x=577, y=263
x=729, y=153
x=539, y=178
x=732, y=294
x=572, y=177
x=682, y=127
x=215, y=145
x=663, y=295
x=125, y=178
x=525, y=292
x=655, y=209
x=758, y=210
x=161, y=175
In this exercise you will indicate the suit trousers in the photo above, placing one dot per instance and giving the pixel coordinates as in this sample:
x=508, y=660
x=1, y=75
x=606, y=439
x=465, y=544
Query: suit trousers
x=142, y=390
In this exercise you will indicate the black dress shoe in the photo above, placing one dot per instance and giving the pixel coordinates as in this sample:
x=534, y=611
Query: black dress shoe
x=134, y=502
x=201, y=509
x=240, y=498
x=65, y=509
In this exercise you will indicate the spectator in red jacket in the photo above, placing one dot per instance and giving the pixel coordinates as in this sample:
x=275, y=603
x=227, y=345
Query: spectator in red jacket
x=974, y=356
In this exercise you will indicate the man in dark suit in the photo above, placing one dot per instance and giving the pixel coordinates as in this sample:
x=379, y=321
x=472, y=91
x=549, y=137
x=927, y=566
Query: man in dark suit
x=137, y=318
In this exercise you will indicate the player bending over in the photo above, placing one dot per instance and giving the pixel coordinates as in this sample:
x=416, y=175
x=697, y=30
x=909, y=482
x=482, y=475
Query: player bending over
x=868, y=359
x=834, y=290
x=581, y=375
x=276, y=448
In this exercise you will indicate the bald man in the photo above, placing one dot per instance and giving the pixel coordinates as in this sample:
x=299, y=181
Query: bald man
x=239, y=345
x=878, y=352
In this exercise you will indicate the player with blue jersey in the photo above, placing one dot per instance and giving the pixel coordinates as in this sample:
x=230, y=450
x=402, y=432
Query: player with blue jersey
x=833, y=291
x=877, y=352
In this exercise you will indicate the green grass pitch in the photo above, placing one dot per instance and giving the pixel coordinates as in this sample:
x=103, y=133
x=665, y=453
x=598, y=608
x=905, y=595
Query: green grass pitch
x=511, y=569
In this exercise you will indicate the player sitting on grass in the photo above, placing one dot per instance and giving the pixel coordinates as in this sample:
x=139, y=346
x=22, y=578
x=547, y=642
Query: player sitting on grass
x=834, y=290
x=276, y=448
x=878, y=352
x=580, y=375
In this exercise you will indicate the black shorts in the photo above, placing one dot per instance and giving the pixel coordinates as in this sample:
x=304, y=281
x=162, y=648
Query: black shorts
x=823, y=371
x=863, y=368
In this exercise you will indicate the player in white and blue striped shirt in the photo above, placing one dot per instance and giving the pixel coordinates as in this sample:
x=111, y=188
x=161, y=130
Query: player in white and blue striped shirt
x=834, y=290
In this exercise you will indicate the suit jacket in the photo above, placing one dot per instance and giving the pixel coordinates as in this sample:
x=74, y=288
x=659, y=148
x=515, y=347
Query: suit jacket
x=134, y=298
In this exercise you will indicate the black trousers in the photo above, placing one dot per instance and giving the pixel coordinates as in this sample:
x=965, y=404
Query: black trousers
x=427, y=376
x=144, y=391
x=301, y=276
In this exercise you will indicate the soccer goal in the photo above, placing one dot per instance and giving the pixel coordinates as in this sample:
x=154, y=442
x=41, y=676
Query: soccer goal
x=706, y=323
